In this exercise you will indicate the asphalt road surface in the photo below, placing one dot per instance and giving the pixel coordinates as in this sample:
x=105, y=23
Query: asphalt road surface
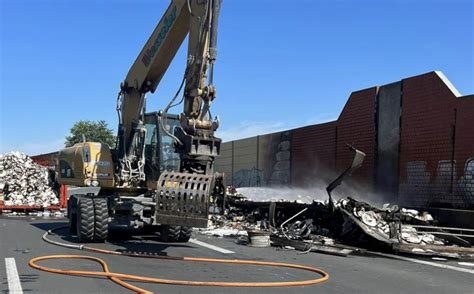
x=20, y=240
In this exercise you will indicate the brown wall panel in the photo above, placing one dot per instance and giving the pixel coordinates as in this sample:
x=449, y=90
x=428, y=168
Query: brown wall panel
x=434, y=121
x=313, y=153
x=356, y=126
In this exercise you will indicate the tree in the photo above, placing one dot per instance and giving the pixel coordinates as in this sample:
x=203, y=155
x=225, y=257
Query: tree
x=94, y=131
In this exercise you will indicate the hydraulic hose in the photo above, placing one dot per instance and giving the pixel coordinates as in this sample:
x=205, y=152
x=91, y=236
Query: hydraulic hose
x=117, y=277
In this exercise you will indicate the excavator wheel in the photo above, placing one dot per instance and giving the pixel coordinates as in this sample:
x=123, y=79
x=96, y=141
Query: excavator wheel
x=101, y=219
x=185, y=234
x=170, y=233
x=85, y=219
x=72, y=214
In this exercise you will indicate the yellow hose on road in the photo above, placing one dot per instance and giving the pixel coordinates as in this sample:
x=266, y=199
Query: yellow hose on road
x=117, y=277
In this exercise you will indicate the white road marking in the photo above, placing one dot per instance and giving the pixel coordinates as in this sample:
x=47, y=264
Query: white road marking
x=434, y=264
x=210, y=246
x=14, y=285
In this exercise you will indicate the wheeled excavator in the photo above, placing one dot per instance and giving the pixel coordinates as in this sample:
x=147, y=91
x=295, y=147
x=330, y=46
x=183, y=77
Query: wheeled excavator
x=160, y=174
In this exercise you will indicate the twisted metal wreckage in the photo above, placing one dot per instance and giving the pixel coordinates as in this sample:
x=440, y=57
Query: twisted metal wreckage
x=341, y=227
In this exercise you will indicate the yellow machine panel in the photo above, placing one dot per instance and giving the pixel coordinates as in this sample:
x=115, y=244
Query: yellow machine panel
x=86, y=164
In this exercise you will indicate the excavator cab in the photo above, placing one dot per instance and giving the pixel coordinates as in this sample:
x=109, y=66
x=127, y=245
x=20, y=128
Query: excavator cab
x=160, y=155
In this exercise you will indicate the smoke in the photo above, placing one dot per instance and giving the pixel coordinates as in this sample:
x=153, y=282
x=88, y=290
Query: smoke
x=317, y=179
x=362, y=193
x=313, y=188
x=314, y=193
x=309, y=185
x=276, y=194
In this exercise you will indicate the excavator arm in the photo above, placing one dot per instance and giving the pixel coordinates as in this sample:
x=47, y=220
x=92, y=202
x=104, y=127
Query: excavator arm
x=194, y=140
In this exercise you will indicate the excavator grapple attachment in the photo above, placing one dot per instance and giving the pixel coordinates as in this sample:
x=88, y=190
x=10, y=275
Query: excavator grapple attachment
x=183, y=199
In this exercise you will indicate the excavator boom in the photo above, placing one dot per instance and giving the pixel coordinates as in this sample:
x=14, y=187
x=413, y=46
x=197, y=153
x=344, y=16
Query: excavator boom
x=198, y=20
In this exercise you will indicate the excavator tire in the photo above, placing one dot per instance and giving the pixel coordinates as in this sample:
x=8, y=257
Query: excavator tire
x=85, y=219
x=185, y=234
x=101, y=219
x=72, y=214
x=170, y=233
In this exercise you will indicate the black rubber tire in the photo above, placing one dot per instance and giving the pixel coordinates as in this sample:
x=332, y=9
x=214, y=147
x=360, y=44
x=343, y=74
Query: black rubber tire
x=85, y=219
x=170, y=233
x=73, y=224
x=101, y=219
x=72, y=214
x=185, y=234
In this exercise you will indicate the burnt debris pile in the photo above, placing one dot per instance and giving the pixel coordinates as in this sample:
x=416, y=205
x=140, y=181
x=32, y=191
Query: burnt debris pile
x=340, y=228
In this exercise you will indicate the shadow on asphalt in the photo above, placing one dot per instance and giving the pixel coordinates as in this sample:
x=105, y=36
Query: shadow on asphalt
x=142, y=241
x=24, y=278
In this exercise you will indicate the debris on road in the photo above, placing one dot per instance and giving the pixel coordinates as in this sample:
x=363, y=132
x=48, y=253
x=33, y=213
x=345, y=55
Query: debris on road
x=388, y=224
x=24, y=183
x=341, y=229
x=310, y=246
x=336, y=227
x=401, y=230
x=38, y=213
x=258, y=238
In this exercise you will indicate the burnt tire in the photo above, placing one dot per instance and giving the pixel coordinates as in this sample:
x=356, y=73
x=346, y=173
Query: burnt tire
x=101, y=219
x=85, y=219
x=170, y=233
x=185, y=234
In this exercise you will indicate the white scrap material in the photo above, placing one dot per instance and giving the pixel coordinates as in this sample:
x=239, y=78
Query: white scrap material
x=58, y=214
x=24, y=182
x=369, y=218
x=224, y=232
x=425, y=216
x=411, y=238
x=418, y=250
x=282, y=194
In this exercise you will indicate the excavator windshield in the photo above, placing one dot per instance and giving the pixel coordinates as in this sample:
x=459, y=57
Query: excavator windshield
x=159, y=151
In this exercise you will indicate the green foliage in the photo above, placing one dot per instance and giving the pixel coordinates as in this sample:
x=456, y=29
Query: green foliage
x=95, y=131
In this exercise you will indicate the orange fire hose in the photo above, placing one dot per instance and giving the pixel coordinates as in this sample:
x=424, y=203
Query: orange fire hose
x=117, y=277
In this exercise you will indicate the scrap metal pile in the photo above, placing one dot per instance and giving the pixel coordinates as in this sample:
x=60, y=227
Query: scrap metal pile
x=25, y=183
x=389, y=223
x=401, y=230
x=339, y=227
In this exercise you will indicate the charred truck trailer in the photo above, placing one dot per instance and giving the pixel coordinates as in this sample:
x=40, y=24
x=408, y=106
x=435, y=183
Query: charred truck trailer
x=161, y=172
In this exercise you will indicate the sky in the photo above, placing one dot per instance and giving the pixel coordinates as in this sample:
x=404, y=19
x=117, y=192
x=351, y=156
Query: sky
x=281, y=64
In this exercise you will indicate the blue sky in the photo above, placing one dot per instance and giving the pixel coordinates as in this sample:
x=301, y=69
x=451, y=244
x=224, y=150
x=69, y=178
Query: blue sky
x=281, y=64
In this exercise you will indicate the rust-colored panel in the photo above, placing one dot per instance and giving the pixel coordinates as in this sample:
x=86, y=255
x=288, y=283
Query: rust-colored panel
x=49, y=160
x=313, y=153
x=356, y=125
x=428, y=175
